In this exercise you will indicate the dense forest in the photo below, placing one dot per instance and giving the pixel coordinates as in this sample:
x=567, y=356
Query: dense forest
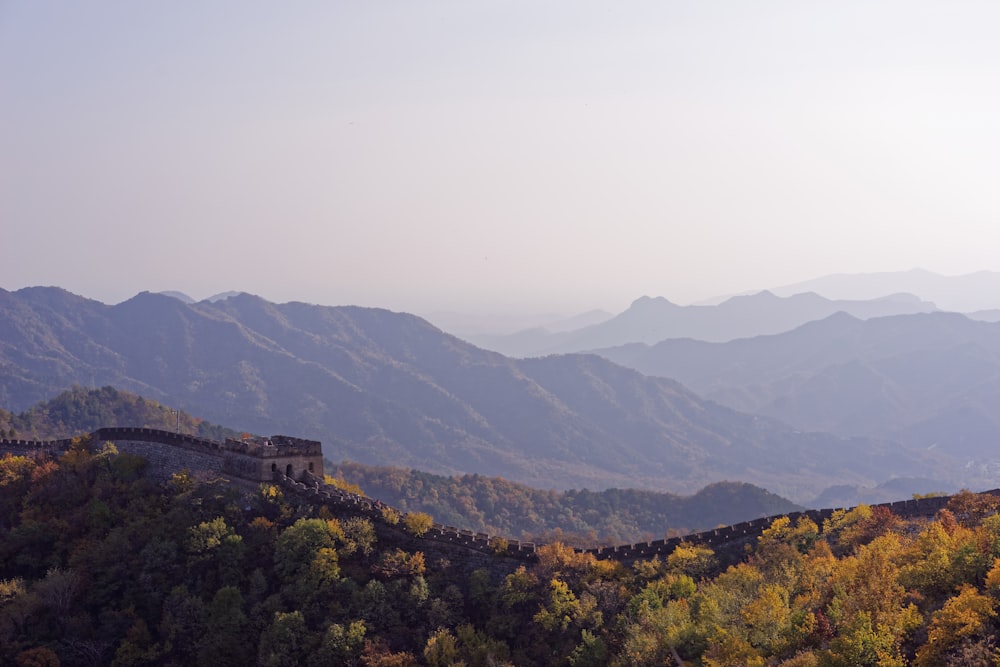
x=99, y=565
x=79, y=410
x=578, y=517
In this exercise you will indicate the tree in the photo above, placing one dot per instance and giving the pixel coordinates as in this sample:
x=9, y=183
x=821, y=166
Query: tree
x=441, y=649
x=592, y=651
x=224, y=641
x=181, y=625
x=971, y=508
x=298, y=545
x=964, y=616
x=861, y=643
x=561, y=609
x=359, y=535
x=659, y=633
x=138, y=648
x=285, y=642
x=767, y=619
x=399, y=563
x=943, y=556
x=340, y=645
x=868, y=607
x=466, y=646
x=37, y=657
x=694, y=560
x=418, y=523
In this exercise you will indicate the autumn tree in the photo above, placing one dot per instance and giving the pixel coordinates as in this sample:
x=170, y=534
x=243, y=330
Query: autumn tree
x=965, y=616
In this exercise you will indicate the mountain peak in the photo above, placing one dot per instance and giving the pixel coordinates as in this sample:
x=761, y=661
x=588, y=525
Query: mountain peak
x=222, y=296
x=646, y=302
x=756, y=297
x=180, y=296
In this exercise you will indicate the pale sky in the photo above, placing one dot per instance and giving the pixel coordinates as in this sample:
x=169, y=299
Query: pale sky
x=477, y=155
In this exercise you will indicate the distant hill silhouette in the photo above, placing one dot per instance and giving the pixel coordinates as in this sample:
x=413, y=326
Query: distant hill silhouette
x=466, y=325
x=650, y=320
x=965, y=293
x=388, y=388
x=928, y=380
x=180, y=296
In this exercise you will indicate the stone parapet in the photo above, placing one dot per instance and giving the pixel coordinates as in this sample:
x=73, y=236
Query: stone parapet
x=169, y=452
x=297, y=464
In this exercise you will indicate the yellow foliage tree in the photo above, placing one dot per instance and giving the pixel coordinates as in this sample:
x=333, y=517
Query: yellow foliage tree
x=963, y=616
x=418, y=523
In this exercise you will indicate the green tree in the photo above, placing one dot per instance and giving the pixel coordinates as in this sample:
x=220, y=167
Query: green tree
x=138, y=647
x=285, y=642
x=592, y=651
x=340, y=645
x=561, y=609
x=225, y=638
x=466, y=646
x=862, y=643
x=181, y=626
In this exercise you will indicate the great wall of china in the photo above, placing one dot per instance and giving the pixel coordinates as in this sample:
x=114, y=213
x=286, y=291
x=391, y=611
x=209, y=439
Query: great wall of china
x=297, y=465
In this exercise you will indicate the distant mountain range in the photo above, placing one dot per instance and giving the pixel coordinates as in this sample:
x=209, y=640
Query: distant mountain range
x=466, y=325
x=929, y=380
x=967, y=293
x=181, y=296
x=650, y=320
x=388, y=388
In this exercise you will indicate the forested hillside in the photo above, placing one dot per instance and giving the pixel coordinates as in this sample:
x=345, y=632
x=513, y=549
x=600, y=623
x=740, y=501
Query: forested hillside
x=99, y=566
x=579, y=517
x=79, y=411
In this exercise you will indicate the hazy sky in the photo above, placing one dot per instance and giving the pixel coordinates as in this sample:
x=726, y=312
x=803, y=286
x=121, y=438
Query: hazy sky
x=471, y=155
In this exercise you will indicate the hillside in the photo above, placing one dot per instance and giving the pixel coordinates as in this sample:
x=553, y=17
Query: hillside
x=580, y=517
x=388, y=388
x=79, y=411
x=101, y=566
x=928, y=380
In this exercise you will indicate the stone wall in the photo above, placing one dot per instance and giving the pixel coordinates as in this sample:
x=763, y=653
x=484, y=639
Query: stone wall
x=748, y=531
x=467, y=542
x=165, y=460
x=297, y=464
x=33, y=448
x=168, y=453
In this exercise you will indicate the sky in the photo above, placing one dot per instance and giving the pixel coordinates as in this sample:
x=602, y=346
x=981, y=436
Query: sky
x=493, y=156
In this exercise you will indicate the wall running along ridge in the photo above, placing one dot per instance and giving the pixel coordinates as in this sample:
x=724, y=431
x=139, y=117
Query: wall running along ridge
x=297, y=465
x=169, y=452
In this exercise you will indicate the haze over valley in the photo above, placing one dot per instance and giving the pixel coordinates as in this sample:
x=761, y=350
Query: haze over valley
x=838, y=401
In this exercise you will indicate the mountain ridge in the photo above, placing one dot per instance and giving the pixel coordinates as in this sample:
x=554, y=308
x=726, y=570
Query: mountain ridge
x=389, y=388
x=652, y=319
x=921, y=378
